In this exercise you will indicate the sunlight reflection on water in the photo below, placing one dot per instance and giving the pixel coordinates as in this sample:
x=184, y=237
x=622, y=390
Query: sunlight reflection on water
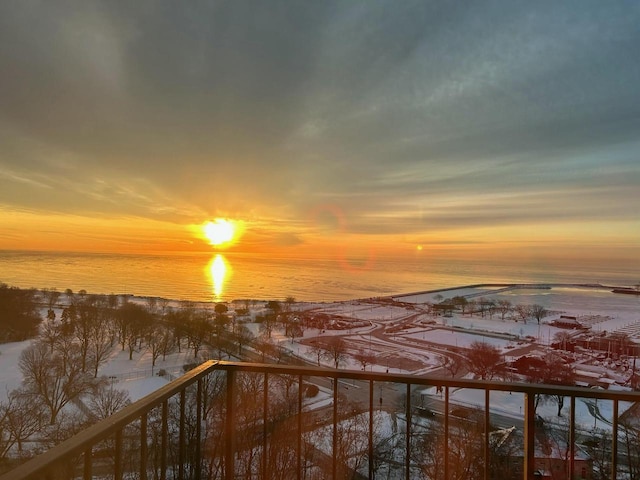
x=217, y=277
x=219, y=271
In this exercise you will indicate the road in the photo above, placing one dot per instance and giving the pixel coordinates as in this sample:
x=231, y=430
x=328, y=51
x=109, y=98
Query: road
x=457, y=411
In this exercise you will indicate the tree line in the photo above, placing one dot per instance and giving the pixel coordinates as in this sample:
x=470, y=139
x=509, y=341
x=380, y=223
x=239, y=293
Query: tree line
x=19, y=317
x=489, y=307
x=75, y=339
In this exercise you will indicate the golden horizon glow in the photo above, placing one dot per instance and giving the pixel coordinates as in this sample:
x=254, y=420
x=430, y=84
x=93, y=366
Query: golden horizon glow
x=220, y=231
x=38, y=231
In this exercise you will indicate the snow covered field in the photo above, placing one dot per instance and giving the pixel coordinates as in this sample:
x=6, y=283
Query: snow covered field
x=403, y=339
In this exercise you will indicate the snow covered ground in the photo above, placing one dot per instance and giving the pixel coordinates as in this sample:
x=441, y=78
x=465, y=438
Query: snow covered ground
x=135, y=375
x=402, y=338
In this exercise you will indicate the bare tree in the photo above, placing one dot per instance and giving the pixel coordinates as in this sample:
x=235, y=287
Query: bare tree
x=83, y=325
x=461, y=302
x=250, y=389
x=504, y=307
x=493, y=308
x=178, y=320
x=559, y=372
x=221, y=318
x=472, y=306
x=485, y=361
x=317, y=349
x=51, y=296
x=465, y=444
x=538, y=312
x=265, y=346
x=453, y=364
x=273, y=308
x=133, y=321
x=243, y=336
x=155, y=342
x=550, y=369
x=152, y=305
x=105, y=400
x=630, y=442
x=100, y=341
x=56, y=378
x=364, y=358
x=121, y=325
x=286, y=315
x=352, y=444
x=293, y=329
x=6, y=440
x=20, y=418
x=199, y=330
x=50, y=332
x=598, y=447
x=167, y=342
x=335, y=350
x=486, y=306
x=524, y=312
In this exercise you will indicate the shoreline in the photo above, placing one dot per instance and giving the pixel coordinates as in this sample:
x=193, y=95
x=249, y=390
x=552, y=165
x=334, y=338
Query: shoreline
x=497, y=286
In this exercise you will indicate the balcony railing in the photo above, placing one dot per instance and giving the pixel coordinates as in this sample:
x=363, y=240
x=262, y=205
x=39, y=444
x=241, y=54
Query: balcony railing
x=245, y=420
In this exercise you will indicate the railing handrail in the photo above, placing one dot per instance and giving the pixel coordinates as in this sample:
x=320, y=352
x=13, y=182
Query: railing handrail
x=107, y=427
x=431, y=380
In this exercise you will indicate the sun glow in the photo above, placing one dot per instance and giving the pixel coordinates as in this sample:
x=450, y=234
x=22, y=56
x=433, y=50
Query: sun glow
x=220, y=231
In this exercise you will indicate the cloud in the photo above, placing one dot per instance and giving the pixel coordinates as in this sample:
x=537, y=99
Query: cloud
x=407, y=116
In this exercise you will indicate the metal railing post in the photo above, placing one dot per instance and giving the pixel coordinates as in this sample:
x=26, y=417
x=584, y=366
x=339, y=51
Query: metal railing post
x=614, y=440
x=370, y=439
x=117, y=467
x=143, y=446
x=487, y=427
x=407, y=466
x=334, y=461
x=265, y=420
x=229, y=465
x=88, y=475
x=165, y=440
x=182, y=450
x=299, y=440
x=446, y=433
x=198, y=451
x=529, y=435
x=572, y=438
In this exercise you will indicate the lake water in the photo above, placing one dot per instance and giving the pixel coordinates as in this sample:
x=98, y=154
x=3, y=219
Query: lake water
x=225, y=277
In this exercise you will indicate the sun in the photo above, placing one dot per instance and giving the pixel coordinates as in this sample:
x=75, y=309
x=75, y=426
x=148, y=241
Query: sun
x=220, y=231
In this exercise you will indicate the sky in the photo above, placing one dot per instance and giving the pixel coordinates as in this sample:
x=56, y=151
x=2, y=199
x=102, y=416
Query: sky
x=470, y=128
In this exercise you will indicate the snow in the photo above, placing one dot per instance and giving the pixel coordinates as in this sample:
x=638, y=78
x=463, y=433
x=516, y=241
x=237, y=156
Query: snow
x=452, y=337
x=136, y=375
x=10, y=376
x=406, y=339
x=437, y=296
x=511, y=404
